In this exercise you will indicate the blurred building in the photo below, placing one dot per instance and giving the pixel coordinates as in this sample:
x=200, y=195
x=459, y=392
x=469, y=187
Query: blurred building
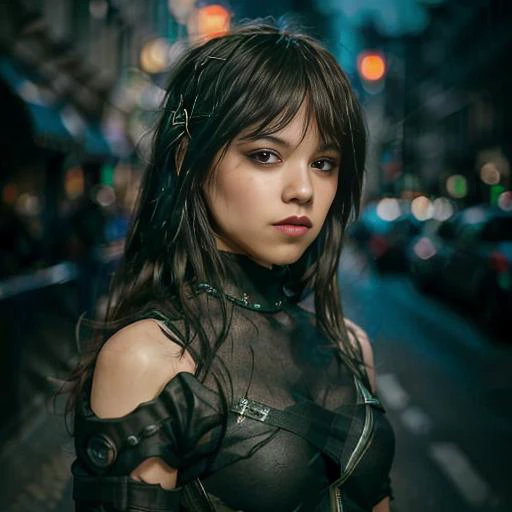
x=447, y=99
x=82, y=82
x=65, y=133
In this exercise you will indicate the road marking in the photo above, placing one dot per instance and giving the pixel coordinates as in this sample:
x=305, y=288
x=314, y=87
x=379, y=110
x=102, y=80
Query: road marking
x=390, y=390
x=395, y=397
x=454, y=463
x=416, y=420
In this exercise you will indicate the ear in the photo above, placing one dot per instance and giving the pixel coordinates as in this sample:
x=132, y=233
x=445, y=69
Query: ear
x=181, y=151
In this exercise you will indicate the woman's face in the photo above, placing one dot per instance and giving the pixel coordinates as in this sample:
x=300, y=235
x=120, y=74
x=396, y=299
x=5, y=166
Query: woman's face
x=261, y=182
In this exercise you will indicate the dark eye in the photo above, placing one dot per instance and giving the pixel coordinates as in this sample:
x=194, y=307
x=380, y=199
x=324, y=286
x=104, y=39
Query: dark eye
x=324, y=165
x=264, y=157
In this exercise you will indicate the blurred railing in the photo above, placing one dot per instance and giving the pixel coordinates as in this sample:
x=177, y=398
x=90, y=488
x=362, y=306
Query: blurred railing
x=18, y=285
x=39, y=311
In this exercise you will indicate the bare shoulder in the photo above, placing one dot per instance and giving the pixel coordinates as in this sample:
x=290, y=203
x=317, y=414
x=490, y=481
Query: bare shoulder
x=133, y=366
x=359, y=338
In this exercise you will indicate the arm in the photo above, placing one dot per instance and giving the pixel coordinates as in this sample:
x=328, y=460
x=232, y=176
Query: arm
x=382, y=506
x=363, y=342
x=367, y=352
x=132, y=368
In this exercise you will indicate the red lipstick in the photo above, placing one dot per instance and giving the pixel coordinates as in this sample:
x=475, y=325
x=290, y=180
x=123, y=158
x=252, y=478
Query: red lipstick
x=294, y=226
x=295, y=221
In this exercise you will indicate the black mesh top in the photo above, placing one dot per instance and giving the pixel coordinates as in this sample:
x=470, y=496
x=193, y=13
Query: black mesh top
x=302, y=431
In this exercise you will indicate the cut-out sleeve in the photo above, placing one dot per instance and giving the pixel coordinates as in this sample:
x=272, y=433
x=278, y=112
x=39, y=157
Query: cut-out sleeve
x=183, y=426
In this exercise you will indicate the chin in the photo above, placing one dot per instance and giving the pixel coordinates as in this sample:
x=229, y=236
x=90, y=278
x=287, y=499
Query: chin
x=285, y=256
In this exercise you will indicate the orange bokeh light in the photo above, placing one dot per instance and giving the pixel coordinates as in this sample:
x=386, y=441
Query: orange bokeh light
x=372, y=66
x=10, y=193
x=213, y=20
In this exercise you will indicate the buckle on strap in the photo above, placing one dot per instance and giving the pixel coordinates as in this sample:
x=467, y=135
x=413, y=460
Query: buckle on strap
x=250, y=409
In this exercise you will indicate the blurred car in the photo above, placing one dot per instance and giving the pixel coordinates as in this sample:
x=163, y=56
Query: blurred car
x=383, y=232
x=468, y=258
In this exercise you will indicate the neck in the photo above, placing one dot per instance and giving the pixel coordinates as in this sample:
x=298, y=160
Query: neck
x=224, y=246
x=250, y=284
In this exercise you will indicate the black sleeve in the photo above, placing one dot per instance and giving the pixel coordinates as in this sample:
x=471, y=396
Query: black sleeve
x=386, y=490
x=183, y=426
x=94, y=493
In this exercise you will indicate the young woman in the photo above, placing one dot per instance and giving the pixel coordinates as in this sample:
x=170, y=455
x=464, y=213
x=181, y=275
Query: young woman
x=214, y=389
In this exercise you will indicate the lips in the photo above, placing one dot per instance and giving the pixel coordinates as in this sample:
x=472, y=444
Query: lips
x=295, y=221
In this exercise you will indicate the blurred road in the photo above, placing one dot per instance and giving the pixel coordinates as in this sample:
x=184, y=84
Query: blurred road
x=447, y=390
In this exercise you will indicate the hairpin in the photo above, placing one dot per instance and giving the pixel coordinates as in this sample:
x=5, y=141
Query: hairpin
x=181, y=116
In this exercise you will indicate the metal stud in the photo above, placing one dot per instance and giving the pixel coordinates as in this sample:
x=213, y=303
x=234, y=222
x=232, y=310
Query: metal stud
x=132, y=440
x=101, y=451
x=150, y=430
x=244, y=300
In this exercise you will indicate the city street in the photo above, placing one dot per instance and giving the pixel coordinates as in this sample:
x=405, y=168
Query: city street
x=141, y=134
x=446, y=388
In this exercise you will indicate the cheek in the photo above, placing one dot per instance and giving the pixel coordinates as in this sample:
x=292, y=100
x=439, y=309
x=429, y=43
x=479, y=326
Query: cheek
x=233, y=198
x=230, y=192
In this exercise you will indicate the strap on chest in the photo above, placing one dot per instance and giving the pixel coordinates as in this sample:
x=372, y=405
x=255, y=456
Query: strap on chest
x=314, y=423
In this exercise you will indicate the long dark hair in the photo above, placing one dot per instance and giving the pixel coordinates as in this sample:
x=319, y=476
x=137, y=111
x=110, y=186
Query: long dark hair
x=256, y=77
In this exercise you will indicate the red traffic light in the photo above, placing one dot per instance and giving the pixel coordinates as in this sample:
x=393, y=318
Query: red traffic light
x=213, y=20
x=371, y=66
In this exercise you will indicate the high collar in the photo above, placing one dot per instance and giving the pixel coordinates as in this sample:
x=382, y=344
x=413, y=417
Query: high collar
x=251, y=285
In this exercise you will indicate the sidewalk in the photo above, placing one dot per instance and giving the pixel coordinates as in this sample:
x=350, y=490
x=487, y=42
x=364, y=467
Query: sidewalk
x=35, y=465
x=35, y=449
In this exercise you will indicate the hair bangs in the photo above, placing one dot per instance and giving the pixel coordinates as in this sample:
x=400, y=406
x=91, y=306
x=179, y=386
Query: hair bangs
x=327, y=100
x=269, y=90
x=278, y=78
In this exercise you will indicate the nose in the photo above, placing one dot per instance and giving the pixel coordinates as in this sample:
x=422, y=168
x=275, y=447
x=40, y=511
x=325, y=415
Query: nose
x=298, y=186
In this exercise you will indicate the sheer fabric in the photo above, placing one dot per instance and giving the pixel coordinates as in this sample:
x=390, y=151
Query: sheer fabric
x=275, y=356
x=279, y=423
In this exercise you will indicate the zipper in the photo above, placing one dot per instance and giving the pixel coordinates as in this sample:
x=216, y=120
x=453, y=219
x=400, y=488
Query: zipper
x=367, y=433
x=363, y=443
x=339, y=500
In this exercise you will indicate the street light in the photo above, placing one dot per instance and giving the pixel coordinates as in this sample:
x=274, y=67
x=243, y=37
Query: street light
x=154, y=56
x=371, y=66
x=181, y=9
x=210, y=21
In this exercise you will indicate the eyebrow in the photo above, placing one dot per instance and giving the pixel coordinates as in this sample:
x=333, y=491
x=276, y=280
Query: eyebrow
x=326, y=146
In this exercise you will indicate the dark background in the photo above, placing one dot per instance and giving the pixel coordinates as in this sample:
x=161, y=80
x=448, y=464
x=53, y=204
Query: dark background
x=427, y=270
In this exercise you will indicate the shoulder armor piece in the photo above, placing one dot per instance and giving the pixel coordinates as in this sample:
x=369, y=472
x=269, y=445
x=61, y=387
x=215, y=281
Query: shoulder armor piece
x=183, y=425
